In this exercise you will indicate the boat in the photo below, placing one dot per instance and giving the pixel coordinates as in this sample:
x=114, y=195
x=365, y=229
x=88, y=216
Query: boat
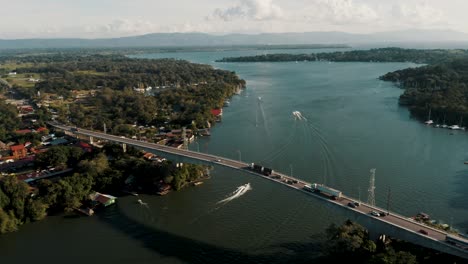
x=466, y=162
x=429, y=120
x=197, y=183
x=454, y=127
x=163, y=192
x=226, y=103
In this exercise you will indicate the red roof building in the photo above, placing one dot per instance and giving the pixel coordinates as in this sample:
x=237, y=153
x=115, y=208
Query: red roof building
x=18, y=151
x=85, y=146
x=23, y=131
x=217, y=112
x=41, y=129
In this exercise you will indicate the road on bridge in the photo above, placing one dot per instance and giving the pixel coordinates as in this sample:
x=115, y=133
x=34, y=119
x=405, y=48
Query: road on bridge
x=392, y=218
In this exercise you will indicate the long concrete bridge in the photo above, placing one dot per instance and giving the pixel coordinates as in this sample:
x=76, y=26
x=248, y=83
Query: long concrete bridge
x=391, y=224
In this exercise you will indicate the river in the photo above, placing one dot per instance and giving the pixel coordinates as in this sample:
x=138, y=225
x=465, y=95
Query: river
x=353, y=123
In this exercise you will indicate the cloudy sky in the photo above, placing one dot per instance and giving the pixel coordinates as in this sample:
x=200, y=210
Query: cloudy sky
x=114, y=18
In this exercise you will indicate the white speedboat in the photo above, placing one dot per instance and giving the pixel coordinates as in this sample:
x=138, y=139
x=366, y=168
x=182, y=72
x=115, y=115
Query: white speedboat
x=429, y=122
x=454, y=127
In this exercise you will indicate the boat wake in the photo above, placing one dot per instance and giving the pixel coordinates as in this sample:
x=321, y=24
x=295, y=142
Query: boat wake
x=142, y=203
x=241, y=190
x=298, y=116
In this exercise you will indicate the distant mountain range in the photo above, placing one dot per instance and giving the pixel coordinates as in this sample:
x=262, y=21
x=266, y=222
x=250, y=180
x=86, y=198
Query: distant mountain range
x=203, y=39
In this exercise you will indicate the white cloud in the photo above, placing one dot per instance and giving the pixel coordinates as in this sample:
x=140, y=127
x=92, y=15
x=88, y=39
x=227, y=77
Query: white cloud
x=249, y=9
x=417, y=14
x=339, y=12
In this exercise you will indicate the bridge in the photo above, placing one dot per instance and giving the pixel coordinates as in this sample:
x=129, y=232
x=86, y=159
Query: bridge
x=390, y=223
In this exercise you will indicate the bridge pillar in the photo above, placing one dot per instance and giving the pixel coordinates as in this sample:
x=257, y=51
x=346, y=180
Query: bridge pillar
x=124, y=147
x=91, y=139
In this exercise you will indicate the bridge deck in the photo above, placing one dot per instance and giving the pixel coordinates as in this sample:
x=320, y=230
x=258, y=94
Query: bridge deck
x=391, y=218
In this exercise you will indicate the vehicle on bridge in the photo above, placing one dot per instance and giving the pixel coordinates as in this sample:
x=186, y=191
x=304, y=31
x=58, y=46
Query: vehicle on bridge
x=260, y=169
x=320, y=188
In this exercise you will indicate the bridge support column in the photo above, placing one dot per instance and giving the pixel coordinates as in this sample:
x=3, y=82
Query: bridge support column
x=91, y=140
x=124, y=147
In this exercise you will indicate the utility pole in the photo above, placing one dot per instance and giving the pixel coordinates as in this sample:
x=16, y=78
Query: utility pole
x=105, y=128
x=291, y=167
x=359, y=193
x=388, y=201
x=371, y=197
x=240, y=155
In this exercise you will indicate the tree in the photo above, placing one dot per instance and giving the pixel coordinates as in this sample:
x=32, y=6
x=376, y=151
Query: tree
x=8, y=222
x=392, y=257
x=54, y=156
x=35, y=210
x=349, y=239
x=4, y=200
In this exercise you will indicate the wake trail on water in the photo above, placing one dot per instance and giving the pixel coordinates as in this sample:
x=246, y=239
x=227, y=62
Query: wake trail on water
x=241, y=190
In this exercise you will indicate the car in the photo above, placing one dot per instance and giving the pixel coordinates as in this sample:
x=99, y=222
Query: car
x=374, y=213
x=424, y=232
x=217, y=160
x=352, y=205
x=357, y=204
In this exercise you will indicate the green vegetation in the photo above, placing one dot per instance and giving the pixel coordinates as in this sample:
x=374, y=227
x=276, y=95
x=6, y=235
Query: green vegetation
x=350, y=243
x=9, y=120
x=372, y=55
x=19, y=203
x=183, y=93
x=439, y=88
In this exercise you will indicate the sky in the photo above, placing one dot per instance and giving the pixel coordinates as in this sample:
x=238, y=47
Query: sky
x=118, y=18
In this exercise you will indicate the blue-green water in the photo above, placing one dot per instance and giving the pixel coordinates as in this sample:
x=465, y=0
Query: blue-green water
x=353, y=124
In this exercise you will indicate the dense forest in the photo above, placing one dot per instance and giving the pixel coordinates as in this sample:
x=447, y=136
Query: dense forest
x=182, y=93
x=439, y=89
x=19, y=203
x=372, y=55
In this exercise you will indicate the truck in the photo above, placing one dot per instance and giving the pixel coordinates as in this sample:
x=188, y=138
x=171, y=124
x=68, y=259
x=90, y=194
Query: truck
x=308, y=188
x=267, y=171
x=74, y=129
x=335, y=194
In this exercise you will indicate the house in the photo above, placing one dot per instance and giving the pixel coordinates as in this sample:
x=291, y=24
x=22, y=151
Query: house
x=41, y=129
x=18, y=151
x=84, y=146
x=103, y=199
x=58, y=141
x=12, y=73
x=25, y=109
x=23, y=131
x=217, y=112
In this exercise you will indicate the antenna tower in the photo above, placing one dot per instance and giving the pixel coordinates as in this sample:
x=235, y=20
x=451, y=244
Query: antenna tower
x=371, y=197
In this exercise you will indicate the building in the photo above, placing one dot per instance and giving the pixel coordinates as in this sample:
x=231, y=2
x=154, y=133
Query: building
x=18, y=151
x=103, y=199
